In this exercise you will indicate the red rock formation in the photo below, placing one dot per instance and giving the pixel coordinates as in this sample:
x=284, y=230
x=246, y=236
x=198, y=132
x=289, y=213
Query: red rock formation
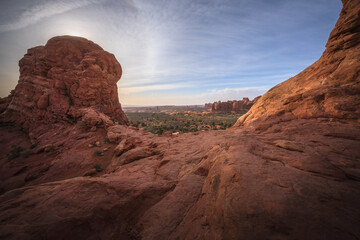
x=62, y=77
x=291, y=172
x=231, y=106
x=327, y=89
x=4, y=102
x=208, y=105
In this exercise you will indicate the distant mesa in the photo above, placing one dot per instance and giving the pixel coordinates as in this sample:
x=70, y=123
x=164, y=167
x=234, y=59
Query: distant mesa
x=60, y=81
x=235, y=106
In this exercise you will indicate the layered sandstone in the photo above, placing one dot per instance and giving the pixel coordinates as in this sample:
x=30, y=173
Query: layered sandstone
x=330, y=88
x=234, y=106
x=61, y=79
x=292, y=172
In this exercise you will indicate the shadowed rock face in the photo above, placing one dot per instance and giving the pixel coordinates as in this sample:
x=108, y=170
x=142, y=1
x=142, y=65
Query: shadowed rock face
x=291, y=171
x=58, y=79
x=330, y=88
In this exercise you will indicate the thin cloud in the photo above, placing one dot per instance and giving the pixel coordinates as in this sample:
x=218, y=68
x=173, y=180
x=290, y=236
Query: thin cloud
x=175, y=51
x=150, y=98
x=43, y=10
x=226, y=94
x=155, y=87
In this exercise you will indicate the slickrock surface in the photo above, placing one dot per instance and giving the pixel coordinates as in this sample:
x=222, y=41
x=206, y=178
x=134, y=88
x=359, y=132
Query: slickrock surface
x=290, y=172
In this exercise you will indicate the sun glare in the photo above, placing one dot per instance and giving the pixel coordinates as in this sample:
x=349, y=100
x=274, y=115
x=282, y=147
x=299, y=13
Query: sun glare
x=75, y=34
x=73, y=28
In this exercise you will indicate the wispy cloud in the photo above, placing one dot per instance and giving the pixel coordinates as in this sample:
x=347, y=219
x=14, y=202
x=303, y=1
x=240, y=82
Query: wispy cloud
x=184, y=98
x=42, y=10
x=152, y=88
x=180, y=51
x=199, y=41
x=233, y=93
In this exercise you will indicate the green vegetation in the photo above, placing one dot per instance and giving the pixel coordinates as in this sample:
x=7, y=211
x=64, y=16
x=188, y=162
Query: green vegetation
x=107, y=140
x=32, y=146
x=115, y=121
x=97, y=167
x=159, y=123
x=14, y=152
x=98, y=153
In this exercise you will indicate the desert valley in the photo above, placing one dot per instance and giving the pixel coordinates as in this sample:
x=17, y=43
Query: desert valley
x=285, y=165
x=183, y=119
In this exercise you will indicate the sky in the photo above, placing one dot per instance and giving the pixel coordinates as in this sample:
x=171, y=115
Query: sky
x=178, y=52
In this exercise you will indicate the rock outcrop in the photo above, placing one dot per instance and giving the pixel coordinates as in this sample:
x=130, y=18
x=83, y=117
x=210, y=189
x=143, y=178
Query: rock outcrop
x=291, y=172
x=61, y=79
x=330, y=88
x=208, y=105
x=234, y=106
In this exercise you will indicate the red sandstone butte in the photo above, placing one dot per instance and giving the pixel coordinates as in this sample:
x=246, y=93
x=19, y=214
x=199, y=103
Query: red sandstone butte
x=61, y=78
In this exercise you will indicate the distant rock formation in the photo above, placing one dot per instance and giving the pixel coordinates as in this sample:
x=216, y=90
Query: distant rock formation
x=208, y=105
x=61, y=79
x=234, y=106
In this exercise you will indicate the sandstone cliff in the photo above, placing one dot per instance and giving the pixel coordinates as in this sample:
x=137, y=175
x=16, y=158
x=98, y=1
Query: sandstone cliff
x=327, y=89
x=290, y=172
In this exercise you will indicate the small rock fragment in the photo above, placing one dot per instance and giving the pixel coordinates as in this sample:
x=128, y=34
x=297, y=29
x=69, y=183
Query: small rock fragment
x=289, y=145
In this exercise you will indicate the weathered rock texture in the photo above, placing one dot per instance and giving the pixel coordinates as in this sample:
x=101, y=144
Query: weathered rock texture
x=59, y=80
x=231, y=106
x=329, y=88
x=292, y=172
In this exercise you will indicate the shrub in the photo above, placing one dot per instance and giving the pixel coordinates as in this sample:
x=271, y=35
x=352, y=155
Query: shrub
x=97, y=167
x=160, y=130
x=98, y=153
x=193, y=129
x=32, y=146
x=107, y=140
x=14, y=152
